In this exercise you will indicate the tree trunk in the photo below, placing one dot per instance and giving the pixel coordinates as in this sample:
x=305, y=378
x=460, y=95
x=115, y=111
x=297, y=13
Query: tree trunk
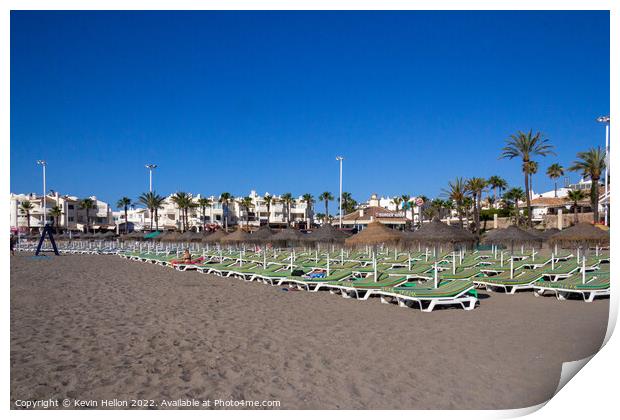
x=576, y=216
x=594, y=195
x=151, y=210
x=156, y=221
x=527, y=199
x=326, y=210
x=126, y=223
x=556, y=188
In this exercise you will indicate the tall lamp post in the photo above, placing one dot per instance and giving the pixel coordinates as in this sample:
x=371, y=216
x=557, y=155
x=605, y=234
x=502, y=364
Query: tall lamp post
x=605, y=120
x=44, y=165
x=150, y=167
x=340, y=159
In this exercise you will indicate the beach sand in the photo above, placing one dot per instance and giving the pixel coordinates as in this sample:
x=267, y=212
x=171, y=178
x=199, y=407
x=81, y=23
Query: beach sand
x=100, y=327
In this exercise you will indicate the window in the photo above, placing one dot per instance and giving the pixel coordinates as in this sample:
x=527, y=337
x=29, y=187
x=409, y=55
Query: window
x=70, y=218
x=70, y=207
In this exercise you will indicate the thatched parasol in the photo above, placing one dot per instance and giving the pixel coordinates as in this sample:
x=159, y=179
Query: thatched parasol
x=375, y=233
x=580, y=234
x=510, y=236
x=186, y=236
x=437, y=232
x=214, y=237
x=287, y=237
x=327, y=234
x=171, y=237
x=264, y=234
x=237, y=237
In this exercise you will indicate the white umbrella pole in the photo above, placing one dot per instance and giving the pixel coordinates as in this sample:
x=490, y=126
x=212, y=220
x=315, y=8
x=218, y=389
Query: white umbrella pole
x=435, y=277
x=512, y=267
x=426, y=255
x=494, y=252
x=597, y=250
x=522, y=250
x=409, y=262
x=552, y=261
x=501, y=261
x=577, y=255
x=583, y=271
x=265, y=258
x=555, y=248
x=374, y=262
x=327, y=265
x=453, y=263
x=342, y=256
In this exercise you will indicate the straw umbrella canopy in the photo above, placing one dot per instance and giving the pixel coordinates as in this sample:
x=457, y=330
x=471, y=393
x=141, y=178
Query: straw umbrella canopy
x=186, y=236
x=510, y=236
x=171, y=237
x=581, y=234
x=287, y=237
x=237, y=237
x=264, y=234
x=547, y=234
x=376, y=233
x=216, y=236
x=436, y=232
x=327, y=234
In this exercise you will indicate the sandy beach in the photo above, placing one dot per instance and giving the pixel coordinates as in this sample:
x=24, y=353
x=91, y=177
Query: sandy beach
x=100, y=327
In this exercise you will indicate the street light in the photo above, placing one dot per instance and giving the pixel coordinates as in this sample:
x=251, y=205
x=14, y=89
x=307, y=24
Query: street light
x=605, y=120
x=150, y=167
x=340, y=159
x=44, y=165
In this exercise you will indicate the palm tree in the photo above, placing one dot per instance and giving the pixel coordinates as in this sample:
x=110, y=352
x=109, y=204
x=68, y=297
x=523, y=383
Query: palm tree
x=475, y=186
x=246, y=204
x=203, y=203
x=269, y=200
x=287, y=199
x=575, y=196
x=554, y=172
x=512, y=198
x=456, y=193
x=591, y=164
x=530, y=168
x=397, y=202
x=348, y=203
x=309, y=200
x=26, y=207
x=56, y=212
x=158, y=203
x=184, y=202
x=497, y=183
x=326, y=197
x=526, y=146
x=153, y=202
x=225, y=199
x=87, y=204
x=124, y=204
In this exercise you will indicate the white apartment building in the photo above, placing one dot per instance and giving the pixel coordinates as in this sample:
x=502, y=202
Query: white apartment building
x=169, y=216
x=73, y=217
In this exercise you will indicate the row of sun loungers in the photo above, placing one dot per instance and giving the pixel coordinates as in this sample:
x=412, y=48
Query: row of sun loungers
x=407, y=280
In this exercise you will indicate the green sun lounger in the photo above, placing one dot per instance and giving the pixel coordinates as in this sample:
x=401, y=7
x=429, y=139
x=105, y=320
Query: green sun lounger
x=451, y=292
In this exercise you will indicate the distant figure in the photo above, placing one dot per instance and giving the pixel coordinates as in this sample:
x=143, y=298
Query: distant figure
x=187, y=257
x=13, y=242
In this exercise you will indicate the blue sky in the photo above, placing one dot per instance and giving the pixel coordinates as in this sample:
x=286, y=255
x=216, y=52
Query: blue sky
x=233, y=101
